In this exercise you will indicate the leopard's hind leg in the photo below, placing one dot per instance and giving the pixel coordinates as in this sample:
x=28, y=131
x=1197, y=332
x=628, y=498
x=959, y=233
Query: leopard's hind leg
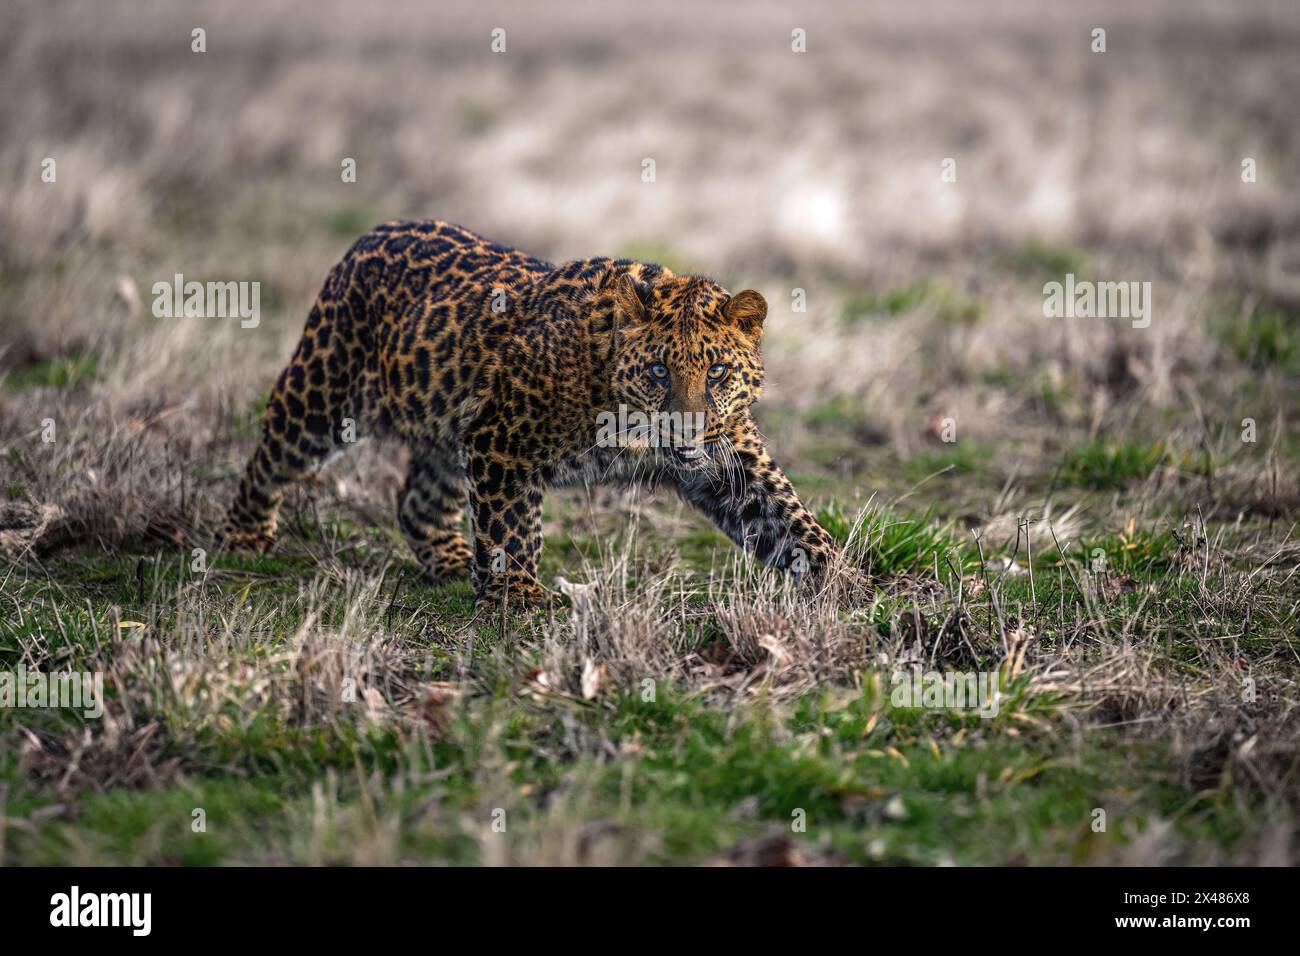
x=431, y=514
x=315, y=410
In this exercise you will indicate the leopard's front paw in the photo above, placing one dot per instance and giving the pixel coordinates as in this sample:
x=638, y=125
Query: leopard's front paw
x=807, y=563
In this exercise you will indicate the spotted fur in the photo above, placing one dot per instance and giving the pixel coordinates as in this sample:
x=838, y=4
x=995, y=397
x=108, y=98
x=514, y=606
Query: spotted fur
x=495, y=368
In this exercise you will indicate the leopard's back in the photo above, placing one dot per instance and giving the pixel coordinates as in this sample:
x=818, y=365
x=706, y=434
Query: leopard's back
x=405, y=320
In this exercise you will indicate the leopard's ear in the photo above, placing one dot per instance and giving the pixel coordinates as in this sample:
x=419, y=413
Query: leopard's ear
x=629, y=301
x=747, y=310
x=629, y=309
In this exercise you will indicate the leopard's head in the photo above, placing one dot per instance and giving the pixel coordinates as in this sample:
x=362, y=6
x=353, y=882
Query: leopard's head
x=686, y=356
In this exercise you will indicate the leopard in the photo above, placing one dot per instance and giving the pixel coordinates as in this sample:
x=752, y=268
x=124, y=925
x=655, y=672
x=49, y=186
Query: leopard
x=506, y=375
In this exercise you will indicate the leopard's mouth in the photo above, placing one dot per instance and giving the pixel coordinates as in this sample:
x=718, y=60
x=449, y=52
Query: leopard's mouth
x=690, y=456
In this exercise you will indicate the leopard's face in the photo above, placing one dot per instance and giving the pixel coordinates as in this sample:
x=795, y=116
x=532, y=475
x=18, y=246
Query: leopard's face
x=688, y=361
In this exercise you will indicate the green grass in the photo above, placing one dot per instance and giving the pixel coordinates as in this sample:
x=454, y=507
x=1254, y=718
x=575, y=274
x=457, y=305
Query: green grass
x=838, y=413
x=949, y=307
x=1266, y=339
x=869, y=783
x=349, y=222
x=64, y=372
x=660, y=253
x=864, y=305
x=897, y=543
x=960, y=460
x=1104, y=465
x=677, y=777
x=1140, y=552
x=1044, y=259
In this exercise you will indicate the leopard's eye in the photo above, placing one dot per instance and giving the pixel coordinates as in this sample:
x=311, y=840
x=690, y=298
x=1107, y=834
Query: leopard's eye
x=658, y=372
x=718, y=372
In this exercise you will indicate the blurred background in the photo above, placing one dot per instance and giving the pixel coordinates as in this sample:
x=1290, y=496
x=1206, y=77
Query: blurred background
x=818, y=171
